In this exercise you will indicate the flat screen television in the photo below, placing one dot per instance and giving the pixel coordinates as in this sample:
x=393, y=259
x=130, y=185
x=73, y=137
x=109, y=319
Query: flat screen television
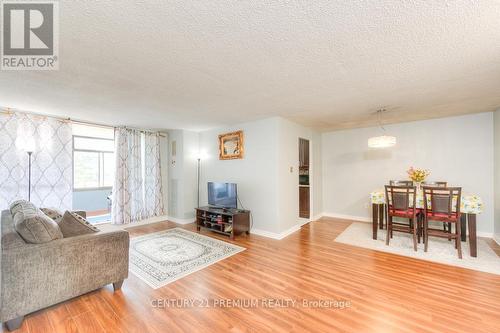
x=222, y=195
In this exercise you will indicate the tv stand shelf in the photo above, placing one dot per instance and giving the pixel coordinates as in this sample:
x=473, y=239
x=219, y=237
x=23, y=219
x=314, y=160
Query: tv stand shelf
x=229, y=222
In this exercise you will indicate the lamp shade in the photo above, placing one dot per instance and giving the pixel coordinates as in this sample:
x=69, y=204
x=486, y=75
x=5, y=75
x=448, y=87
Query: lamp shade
x=26, y=144
x=383, y=141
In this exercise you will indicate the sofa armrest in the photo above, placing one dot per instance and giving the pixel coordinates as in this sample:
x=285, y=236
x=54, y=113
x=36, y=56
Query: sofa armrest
x=39, y=275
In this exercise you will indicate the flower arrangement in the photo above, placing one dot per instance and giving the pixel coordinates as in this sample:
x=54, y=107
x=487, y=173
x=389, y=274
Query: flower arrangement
x=417, y=175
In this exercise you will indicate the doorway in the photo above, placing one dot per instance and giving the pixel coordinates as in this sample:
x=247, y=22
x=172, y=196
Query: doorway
x=304, y=179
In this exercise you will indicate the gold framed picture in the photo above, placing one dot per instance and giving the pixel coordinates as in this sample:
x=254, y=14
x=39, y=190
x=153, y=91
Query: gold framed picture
x=231, y=145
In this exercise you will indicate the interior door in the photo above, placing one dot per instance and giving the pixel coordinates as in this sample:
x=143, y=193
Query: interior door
x=304, y=184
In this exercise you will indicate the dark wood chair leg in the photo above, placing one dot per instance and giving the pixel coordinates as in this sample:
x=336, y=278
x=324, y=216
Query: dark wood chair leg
x=418, y=228
x=386, y=214
x=458, y=231
x=426, y=236
x=415, y=224
x=117, y=285
x=15, y=323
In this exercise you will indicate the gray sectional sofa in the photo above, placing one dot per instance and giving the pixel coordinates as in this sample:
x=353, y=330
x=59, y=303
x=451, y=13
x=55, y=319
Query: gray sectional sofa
x=35, y=276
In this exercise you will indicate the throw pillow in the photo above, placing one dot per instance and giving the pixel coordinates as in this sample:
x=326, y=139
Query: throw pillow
x=34, y=226
x=73, y=224
x=19, y=205
x=53, y=214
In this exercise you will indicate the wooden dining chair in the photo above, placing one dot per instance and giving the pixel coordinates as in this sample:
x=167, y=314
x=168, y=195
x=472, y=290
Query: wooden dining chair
x=442, y=204
x=400, y=182
x=401, y=202
x=446, y=227
x=435, y=184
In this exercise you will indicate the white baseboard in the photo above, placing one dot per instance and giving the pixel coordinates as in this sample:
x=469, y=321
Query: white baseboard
x=264, y=233
x=275, y=235
x=303, y=222
x=317, y=217
x=484, y=234
x=496, y=238
x=181, y=221
x=348, y=217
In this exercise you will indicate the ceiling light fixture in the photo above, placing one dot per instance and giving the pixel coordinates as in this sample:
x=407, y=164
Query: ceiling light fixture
x=382, y=141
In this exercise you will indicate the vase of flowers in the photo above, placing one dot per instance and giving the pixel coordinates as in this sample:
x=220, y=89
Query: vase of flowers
x=418, y=175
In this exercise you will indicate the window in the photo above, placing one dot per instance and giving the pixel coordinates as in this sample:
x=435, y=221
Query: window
x=93, y=157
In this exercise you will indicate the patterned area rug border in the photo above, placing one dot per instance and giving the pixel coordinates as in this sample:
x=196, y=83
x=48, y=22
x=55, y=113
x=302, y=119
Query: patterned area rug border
x=208, y=241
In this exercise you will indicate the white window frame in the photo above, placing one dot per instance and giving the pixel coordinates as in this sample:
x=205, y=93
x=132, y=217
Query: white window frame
x=100, y=158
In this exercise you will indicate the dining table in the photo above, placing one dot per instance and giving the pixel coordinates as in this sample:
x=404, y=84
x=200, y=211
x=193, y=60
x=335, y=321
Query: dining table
x=470, y=206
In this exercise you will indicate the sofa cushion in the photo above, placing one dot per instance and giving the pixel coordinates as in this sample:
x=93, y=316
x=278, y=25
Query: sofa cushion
x=73, y=224
x=33, y=225
x=19, y=205
x=53, y=213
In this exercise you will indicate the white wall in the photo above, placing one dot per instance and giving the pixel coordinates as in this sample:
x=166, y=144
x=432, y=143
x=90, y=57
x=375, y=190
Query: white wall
x=265, y=184
x=182, y=173
x=457, y=149
x=190, y=169
x=317, y=173
x=497, y=174
x=288, y=182
x=255, y=174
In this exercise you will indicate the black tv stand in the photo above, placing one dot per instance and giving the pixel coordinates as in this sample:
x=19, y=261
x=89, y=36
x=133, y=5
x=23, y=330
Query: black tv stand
x=229, y=222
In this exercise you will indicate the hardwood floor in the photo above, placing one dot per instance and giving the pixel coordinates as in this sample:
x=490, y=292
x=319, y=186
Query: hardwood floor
x=386, y=292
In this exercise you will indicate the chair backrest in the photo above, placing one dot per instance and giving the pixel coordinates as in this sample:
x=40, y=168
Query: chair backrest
x=401, y=183
x=435, y=184
x=442, y=200
x=400, y=197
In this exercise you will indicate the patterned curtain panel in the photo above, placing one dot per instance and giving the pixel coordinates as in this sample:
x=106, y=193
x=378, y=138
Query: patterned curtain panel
x=153, y=192
x=52, y=167
x=128, y=193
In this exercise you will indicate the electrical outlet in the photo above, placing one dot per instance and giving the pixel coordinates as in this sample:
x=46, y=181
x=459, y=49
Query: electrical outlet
x=291, y=169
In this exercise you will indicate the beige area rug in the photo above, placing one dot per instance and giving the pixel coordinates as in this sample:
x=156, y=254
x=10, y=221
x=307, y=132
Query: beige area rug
x=440, y=250
x=163, y=257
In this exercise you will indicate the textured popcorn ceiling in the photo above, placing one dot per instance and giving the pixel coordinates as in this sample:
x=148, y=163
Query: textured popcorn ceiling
x=322, y=63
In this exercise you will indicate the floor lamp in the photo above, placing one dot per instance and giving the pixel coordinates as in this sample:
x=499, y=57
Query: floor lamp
x=29, y=174
x=201, y=155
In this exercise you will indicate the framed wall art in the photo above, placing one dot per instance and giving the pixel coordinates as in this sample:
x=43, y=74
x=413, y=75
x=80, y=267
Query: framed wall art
x=231, y=145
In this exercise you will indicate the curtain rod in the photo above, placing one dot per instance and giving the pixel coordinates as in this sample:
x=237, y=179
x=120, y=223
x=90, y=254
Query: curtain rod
x=11, y=111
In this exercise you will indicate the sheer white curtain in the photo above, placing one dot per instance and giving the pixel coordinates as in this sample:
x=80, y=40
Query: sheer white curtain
x=50, y=140
x=137, y=192
x=153, y=192
x=127, y=189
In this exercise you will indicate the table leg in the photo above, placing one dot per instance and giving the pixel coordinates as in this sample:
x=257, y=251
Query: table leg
x=375, y=220
x=381, y=209
x=463, y=227
x=472, y=234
